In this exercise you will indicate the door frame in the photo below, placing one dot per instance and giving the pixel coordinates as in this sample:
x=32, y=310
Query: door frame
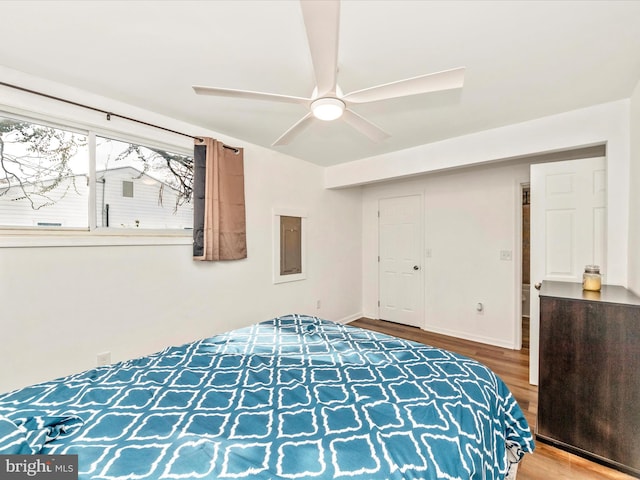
x=521, y=184
x=421, y=250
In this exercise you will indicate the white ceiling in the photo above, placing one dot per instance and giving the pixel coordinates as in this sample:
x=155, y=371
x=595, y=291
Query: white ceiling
x=523, y=60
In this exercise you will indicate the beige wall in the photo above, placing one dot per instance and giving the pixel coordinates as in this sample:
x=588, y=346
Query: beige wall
x=61, y=306
x=470, y=216
x=607, y=123
x=65, y=299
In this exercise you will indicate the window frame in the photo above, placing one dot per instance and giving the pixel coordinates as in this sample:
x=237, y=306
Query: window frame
x=46, y=236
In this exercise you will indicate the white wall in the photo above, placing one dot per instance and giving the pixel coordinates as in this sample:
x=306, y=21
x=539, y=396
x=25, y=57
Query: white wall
x=62, y=305
x=634, y=206
x=607, y=123
x=470, y=216
x=601, y=124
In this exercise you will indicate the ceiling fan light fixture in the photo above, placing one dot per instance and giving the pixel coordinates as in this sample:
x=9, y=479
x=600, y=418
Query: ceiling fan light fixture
x=322, y=24
x=327, y=109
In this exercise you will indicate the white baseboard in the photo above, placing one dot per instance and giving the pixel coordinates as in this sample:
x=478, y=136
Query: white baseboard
x=474, y=338
x=349, y=318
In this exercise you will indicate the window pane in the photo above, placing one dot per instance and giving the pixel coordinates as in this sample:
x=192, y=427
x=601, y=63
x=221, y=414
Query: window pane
x=142, y=187
x=43, y=176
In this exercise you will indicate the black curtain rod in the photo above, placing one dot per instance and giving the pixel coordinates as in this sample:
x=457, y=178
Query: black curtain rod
x=108, y=114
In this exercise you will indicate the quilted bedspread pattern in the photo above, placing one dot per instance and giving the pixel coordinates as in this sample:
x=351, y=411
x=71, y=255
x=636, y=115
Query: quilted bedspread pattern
x=295, y=397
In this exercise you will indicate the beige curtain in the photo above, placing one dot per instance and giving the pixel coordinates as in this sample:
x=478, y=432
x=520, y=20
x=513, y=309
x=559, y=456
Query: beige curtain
x=219, y=227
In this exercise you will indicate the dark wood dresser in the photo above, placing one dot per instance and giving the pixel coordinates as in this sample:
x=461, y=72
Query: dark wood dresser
x=589, y=384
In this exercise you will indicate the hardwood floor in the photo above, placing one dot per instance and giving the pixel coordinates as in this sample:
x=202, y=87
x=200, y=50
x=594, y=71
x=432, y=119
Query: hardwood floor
x=512, y=366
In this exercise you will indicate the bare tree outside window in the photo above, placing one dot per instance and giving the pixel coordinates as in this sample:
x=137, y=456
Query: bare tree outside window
x=44, y=179
x=174, y=170
x=36, y=162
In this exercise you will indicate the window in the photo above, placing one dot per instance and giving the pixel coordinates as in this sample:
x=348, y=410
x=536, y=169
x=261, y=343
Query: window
x=43, y=175
x=142, y=187
x=45, y=182
x=127, y=189
x=289, y=231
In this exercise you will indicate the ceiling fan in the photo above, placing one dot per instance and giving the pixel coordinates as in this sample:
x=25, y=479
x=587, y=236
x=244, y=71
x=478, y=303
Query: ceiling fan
x=321, y=20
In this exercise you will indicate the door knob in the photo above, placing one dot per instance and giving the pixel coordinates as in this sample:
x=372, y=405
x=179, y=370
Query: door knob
x=416, y=267
x=537, y=286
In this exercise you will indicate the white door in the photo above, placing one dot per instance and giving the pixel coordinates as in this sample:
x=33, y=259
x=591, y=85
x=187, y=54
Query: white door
x=400, y=265
x=568, y=229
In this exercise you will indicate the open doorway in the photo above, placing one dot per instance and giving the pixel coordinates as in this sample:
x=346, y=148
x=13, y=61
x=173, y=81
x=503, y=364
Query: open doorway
x=526, y=256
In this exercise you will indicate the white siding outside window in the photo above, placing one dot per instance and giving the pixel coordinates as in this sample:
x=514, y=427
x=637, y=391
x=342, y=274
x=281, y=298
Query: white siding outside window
x=45, y=181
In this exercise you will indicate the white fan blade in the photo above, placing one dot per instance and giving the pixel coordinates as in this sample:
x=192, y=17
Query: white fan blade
x=322, y=22
x=432, y=82
x=364, y=126
x=229, y=92
x=290, y=134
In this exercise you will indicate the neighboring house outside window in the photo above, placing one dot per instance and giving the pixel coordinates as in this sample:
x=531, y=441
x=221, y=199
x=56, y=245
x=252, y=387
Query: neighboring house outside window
x=45, y=181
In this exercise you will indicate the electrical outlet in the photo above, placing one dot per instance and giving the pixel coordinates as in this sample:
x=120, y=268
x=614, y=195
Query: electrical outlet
x=317, y=304
x=505, y=255
x=104, y=358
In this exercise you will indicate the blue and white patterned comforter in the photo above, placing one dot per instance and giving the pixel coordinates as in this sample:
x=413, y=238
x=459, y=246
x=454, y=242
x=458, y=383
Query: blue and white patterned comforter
x=295, y=397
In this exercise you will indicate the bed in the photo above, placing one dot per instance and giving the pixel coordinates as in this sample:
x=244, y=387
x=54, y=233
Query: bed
x=294, y=397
